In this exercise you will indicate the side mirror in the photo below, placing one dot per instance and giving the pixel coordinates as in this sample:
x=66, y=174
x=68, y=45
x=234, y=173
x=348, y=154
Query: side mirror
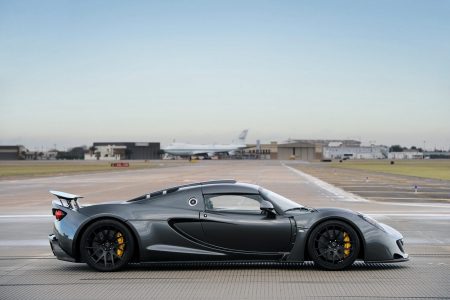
x=267, y=207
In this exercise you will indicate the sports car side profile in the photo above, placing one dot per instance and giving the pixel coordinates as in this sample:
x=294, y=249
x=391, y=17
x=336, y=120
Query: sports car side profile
x=221, y=220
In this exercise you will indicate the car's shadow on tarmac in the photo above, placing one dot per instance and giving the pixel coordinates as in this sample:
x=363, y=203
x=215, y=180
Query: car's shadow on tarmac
x=214, y=266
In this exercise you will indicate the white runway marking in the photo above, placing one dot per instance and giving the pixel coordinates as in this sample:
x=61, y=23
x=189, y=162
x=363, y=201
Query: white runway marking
x=339, y=193
x=445, y=216
x=13, y=243
x=437, y=205
x=26, y=216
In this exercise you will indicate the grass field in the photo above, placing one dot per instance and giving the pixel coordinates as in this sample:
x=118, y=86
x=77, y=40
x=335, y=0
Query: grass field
x=436, y=169
x=13, y=169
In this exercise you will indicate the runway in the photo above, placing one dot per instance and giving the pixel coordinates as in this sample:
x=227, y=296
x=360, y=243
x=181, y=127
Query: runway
x=28, y=270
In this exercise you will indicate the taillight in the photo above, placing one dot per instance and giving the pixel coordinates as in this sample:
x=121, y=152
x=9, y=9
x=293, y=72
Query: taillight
x=59, y=214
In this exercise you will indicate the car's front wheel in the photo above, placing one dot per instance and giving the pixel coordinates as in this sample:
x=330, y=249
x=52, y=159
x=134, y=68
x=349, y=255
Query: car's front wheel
x=333, y=245
x=106, y=245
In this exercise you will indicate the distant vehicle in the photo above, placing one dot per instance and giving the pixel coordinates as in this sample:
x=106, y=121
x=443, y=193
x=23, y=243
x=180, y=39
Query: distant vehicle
x=207, y=151
x=216, y=221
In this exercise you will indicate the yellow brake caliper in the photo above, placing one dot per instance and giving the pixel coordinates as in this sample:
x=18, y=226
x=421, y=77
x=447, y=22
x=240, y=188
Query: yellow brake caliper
x=347, y=244
x=120, y=241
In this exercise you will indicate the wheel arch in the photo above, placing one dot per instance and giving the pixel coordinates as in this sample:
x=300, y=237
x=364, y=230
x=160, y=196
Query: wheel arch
x=362, y=249
x=84, y=226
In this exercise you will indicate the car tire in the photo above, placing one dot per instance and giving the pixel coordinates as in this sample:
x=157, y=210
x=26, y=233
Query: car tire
x=333, y=245
x=107, y=245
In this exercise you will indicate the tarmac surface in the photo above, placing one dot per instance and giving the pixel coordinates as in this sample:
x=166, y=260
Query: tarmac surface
x=28, y=269
x=381, y=186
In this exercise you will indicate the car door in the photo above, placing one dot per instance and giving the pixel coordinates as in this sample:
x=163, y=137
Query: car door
x=235, y=222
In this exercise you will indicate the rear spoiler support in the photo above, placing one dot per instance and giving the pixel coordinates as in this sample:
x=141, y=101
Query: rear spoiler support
x=68, y=198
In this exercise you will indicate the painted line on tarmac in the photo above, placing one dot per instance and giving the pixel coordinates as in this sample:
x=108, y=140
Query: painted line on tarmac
x=419, y=193
x=410, y=215
x=339, y=193
x=25, y=216
x=15, y=243
x=443, y=205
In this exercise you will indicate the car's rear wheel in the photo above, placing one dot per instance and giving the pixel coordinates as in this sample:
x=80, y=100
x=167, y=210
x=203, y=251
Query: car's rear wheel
x=107, y=245
x=333, y=245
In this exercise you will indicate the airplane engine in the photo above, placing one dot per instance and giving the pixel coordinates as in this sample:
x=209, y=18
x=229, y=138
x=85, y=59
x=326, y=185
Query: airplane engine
x=232, y=152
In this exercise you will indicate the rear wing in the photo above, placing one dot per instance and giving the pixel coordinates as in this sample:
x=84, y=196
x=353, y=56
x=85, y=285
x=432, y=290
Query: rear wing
x=68, y=198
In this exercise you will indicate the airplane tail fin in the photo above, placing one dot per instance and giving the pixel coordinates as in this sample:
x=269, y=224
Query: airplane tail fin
x=243, y=136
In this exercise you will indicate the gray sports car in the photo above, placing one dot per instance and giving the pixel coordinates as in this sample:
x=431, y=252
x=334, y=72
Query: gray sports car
x=220, y=220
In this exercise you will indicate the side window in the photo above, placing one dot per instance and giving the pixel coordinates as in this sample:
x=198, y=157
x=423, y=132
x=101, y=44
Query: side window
x=236, y=203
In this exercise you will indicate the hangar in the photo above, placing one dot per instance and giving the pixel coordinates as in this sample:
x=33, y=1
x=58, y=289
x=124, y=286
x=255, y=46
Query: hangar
x=297, y=150
x=12, y=152
x=309, y=149
x=143, y=150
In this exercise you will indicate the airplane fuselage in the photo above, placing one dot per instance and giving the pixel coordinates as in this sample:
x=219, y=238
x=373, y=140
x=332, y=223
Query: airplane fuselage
x=191, y=149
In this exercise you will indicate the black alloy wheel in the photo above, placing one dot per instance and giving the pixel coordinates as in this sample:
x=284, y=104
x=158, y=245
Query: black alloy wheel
x=333, y=245
x=106, y=245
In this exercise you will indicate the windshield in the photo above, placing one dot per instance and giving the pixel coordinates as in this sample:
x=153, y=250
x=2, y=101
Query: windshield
x=283, y=203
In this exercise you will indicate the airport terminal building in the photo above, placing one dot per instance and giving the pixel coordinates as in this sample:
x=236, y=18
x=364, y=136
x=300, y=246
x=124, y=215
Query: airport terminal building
x=363, y=152
x=311, y=149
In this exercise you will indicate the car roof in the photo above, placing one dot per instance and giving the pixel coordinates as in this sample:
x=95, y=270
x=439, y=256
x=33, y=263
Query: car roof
x=226, y=188
x=208, y=187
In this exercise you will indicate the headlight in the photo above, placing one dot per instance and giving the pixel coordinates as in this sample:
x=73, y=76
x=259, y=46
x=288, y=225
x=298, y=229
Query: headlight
x=372, y=221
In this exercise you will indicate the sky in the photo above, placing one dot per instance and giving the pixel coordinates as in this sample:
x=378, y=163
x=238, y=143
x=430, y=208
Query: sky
x=75, y=72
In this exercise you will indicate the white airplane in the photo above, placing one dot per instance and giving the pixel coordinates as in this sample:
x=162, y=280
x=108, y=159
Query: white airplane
x=181, y=149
